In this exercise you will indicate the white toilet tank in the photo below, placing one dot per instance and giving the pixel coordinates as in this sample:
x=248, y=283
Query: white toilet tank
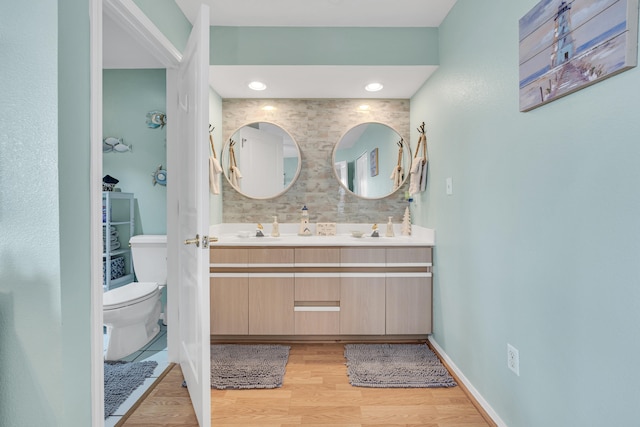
x=149, y=252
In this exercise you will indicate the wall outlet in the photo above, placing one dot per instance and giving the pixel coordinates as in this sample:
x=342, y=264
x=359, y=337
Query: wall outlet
x=513, y=359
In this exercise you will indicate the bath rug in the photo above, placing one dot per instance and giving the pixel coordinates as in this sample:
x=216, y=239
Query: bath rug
x=395, y=366
x=121, y=379
x=237, y=366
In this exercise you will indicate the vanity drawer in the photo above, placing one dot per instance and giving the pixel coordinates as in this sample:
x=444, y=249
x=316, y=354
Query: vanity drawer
x=317, y=322
x=258, y=257
x=317, y=257
x=226, y=256
x=415, y=256
x=362, y=256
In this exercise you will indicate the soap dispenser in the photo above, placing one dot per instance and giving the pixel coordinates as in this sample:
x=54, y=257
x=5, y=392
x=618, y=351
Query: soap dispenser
x=389, y=232
x=275, y=227
x=304, y=223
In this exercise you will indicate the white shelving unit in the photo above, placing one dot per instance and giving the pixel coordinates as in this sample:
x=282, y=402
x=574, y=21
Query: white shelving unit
x=117, y=212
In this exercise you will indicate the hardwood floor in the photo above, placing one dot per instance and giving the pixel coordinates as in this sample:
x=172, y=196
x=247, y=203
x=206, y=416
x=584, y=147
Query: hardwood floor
x=316, y=392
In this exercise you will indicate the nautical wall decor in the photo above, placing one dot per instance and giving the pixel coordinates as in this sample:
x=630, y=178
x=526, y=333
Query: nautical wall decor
x=566, y=45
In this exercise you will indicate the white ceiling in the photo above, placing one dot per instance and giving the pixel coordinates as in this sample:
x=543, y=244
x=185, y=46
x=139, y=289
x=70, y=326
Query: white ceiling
x=298, y=81
x=318, y=81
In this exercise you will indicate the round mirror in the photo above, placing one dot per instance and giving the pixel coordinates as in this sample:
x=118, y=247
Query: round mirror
x=261, y=160
x=371, y=160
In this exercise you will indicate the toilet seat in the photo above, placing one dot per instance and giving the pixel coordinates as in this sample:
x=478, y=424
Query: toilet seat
x=127, y=295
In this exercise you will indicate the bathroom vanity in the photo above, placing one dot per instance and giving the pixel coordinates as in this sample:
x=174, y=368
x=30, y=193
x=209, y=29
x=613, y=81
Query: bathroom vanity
x=321, y=287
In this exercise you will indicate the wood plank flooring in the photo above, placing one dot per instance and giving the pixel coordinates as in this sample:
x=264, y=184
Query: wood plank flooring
x=316, y=392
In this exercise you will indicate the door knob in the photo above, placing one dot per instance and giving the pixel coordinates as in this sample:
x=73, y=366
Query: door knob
x=195, y=241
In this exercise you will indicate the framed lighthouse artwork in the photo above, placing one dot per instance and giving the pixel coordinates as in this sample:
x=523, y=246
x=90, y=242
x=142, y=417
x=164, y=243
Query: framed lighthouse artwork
x=566, y=45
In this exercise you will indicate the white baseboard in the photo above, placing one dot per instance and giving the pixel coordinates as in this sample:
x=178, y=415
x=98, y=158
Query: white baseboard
x=476, y=395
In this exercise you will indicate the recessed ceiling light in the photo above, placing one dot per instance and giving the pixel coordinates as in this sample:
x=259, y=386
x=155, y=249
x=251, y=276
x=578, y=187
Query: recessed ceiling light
x=373, y=87
x=257, y=86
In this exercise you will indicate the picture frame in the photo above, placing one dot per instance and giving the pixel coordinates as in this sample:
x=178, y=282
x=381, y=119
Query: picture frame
x=373, y=161
x=567, y=45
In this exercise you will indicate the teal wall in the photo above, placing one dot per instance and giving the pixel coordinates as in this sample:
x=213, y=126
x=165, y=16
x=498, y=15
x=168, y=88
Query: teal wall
x=290, y=167
x=128, y=95
x=44, y=214
x=167, y=16
x=30, y=277
x=539, y=245
x=263, y=45
x=323, y=46
x=74, y=191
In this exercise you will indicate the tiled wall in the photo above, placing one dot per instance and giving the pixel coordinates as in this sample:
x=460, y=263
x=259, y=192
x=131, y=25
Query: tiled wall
x=316, y=125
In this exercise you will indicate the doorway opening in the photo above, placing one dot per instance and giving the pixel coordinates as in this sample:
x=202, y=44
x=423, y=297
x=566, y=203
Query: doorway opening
x=124, y=42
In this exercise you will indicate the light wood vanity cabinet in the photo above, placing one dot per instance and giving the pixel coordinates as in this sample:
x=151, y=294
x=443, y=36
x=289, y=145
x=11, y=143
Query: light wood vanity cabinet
x=362, y=305
x=408, y=294
x=321, y=291
x=271, y=304
x=317, y=257
x=229, y=292
x=317, y=303
x=246, y=297
x=229, y=298
x=407, y=303
x=317, y=291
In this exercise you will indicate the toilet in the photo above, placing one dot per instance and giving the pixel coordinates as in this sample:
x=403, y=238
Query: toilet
x=131, y=312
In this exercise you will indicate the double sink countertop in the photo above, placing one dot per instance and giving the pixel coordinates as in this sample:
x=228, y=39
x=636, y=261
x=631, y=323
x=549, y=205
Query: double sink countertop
x=233, y=234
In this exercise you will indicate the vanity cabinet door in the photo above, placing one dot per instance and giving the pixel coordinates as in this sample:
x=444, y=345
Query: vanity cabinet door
x=271, y=304
x=362, y=304
x=408, y=303
x=229, y=297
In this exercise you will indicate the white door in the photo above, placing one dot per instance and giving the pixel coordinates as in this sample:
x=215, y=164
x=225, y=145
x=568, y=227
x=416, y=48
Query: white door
x=341, y=171
x=261, y=155
x=362, y=165
x=193, y=216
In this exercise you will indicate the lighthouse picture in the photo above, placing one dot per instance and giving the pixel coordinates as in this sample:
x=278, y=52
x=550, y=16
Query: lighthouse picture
x=566, y=45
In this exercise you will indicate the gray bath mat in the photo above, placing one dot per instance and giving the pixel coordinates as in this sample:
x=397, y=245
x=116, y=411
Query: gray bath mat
x=236, y=366
x=121, y=379
x=395, y=366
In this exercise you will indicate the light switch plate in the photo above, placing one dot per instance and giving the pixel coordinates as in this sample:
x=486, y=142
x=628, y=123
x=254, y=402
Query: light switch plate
x=449, y=186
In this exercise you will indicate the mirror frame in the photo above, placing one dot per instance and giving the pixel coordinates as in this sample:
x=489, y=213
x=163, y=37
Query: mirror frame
x=225, y=149
x=406, y=148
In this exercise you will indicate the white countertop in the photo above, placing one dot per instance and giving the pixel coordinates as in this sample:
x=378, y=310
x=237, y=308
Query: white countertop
x=228, y=234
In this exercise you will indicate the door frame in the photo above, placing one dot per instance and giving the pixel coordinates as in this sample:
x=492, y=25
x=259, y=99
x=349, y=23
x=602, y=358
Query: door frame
x=138, y=25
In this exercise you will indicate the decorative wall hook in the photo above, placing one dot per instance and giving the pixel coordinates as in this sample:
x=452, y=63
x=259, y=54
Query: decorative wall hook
x=159, y=176
x=156, y=119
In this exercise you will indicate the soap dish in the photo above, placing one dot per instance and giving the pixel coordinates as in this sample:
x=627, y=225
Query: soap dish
x=244, y=234
x=356, y=233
